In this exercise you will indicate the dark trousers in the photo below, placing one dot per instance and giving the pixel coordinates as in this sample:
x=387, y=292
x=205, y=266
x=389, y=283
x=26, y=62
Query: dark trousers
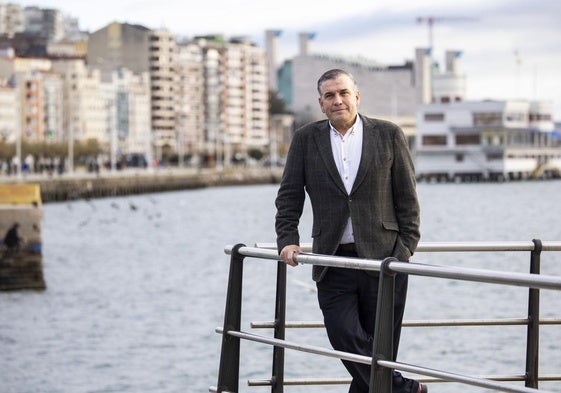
x=348, y=300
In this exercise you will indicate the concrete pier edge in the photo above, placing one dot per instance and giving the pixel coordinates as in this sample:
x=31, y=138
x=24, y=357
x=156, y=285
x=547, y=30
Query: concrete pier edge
x=86, y=185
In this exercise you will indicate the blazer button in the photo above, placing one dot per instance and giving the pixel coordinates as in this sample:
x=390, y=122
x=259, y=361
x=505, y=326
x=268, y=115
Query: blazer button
x=350, y=199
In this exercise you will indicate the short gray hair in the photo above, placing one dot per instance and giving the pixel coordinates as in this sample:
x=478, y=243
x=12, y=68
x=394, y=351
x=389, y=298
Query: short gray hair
x=332, y=74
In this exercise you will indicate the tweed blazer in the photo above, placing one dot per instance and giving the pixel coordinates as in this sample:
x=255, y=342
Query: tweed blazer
x=382, y=204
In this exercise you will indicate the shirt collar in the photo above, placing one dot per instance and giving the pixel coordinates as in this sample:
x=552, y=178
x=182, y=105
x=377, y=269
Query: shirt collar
x=355, y=128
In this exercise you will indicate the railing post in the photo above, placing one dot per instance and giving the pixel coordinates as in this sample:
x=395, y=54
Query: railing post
x=229, y=371
x=381, y=377
x=277, y=380
x=533, y=333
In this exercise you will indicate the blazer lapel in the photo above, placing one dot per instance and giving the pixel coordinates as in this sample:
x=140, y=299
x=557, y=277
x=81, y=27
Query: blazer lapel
x=323, y=142
x=369, y=144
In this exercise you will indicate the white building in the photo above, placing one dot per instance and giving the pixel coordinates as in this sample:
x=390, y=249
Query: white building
x=236, y=98
x=53, y=106
x=449, y=85
x=190, y=116
x=11, y=19
x=83, y=101
x=10, y=113
x=127, y=102
x=486, y=140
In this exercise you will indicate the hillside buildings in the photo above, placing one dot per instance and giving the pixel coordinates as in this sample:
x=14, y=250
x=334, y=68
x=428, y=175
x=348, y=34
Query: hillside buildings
x=146, y=92
x=205, y=100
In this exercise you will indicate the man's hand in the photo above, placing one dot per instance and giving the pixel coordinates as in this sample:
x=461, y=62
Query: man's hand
x=288, y=252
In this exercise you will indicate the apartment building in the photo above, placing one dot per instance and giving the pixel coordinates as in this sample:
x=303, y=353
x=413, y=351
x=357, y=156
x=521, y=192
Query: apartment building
x=31, y=97
x=127, y=101
x=38, y=93
x=208, y=96
x=53, y=109
x=190, y=108
x=62, y=99
x=44, y=22
x=236, y=98
x=10, y=113
x=141, y=50
x=257, y=97
x=163, y=79
x=25, y=76
x=83, y=102
x=11, y=19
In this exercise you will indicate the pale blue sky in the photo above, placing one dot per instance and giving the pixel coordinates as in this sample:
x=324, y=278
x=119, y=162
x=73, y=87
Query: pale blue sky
x=511, y=48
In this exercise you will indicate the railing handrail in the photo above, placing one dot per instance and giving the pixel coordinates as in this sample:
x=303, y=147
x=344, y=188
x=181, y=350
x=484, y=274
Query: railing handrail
x=457, y=246
x=381, y=367
x=418, y=323
x=459, y=273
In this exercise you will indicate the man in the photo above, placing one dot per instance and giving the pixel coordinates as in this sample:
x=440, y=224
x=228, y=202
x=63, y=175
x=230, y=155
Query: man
x=359, y=176
x=12, y=239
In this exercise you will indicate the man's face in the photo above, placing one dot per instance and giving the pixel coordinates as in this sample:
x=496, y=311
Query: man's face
x=339, y=101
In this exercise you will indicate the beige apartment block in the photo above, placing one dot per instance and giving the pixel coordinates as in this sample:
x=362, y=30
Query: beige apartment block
x=83, y=101
x=162, y=53
x=236, y=98
x=190, y=89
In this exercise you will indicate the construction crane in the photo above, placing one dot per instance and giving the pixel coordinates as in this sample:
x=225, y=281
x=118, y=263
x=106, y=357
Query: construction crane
x=431, y=20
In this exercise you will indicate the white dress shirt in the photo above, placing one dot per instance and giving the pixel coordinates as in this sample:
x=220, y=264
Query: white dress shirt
x=347, y=151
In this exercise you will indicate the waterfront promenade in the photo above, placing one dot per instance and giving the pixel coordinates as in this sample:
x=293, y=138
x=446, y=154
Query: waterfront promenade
x=85, y=185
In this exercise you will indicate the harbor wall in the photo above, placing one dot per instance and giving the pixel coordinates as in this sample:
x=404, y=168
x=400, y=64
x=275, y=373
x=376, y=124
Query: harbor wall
x=86, y=186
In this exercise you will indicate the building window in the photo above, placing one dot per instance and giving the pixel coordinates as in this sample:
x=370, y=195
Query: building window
x=515, y=117
x=540, y=117
x=494, y=156
x=434, y=140
x=434, y=116
x=467, y=139
x=487, y=119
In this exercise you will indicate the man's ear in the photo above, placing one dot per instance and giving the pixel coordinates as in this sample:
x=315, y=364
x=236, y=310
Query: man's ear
x=320, y=105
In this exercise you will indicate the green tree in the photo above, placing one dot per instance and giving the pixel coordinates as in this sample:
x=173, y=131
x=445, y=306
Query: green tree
x=276, y=104
x=255, y=153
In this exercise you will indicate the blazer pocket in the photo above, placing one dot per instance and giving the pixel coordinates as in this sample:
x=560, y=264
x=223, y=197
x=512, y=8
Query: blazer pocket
x=390, y=225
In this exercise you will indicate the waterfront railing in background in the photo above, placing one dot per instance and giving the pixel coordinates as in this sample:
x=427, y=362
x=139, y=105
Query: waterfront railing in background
x=228, y=375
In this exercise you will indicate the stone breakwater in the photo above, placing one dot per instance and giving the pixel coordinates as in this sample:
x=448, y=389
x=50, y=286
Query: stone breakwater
x=87, y=186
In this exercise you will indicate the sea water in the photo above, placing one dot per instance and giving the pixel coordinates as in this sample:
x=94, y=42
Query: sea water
x=136, y=287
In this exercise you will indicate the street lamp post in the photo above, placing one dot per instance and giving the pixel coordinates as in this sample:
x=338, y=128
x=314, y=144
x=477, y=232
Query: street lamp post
x=18, y=153
x=71, y=150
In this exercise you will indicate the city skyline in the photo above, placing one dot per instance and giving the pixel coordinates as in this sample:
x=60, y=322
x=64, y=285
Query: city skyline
x=510, y=49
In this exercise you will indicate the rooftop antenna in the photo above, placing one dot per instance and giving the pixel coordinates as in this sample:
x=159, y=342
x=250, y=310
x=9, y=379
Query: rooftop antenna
x=431, y=20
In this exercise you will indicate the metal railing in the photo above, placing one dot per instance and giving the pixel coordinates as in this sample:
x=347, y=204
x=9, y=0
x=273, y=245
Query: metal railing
x=228, y=376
